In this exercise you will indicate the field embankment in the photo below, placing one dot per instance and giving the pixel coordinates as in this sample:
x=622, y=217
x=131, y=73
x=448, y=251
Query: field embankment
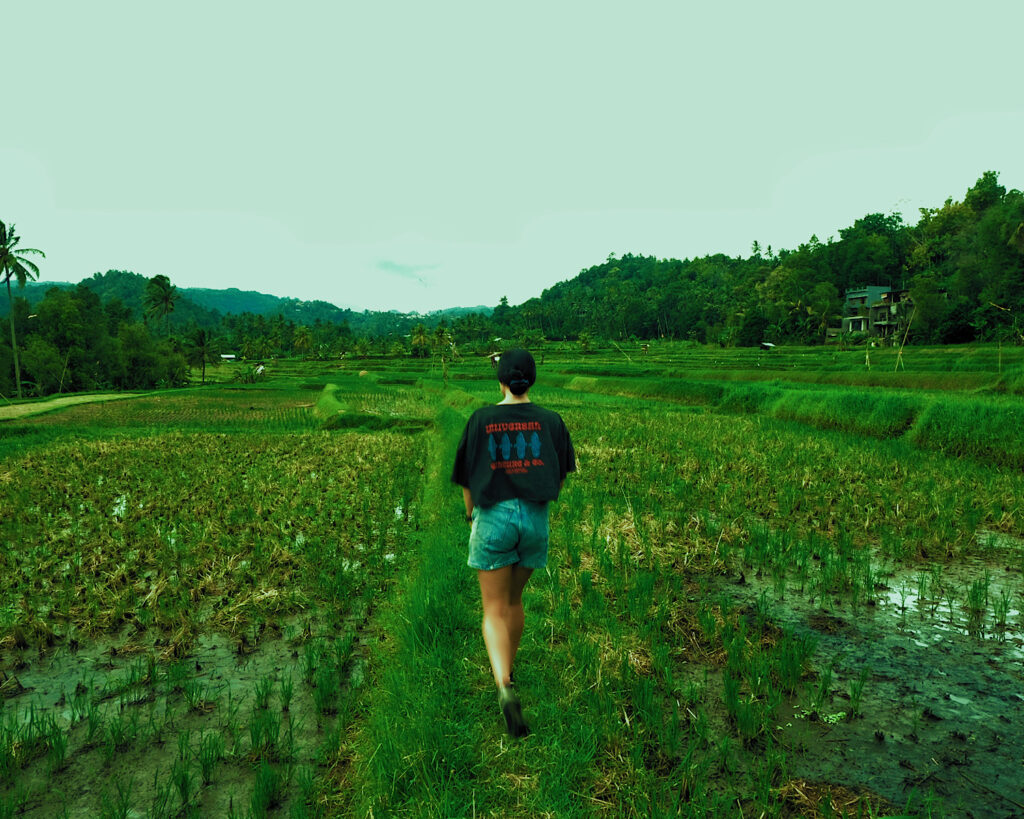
x=10, y=412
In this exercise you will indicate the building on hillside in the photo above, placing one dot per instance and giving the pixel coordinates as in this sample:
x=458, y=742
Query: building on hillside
x=881, y=312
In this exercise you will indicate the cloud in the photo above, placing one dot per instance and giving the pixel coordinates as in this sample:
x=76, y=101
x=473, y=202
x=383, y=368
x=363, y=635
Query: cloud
x=405, y=271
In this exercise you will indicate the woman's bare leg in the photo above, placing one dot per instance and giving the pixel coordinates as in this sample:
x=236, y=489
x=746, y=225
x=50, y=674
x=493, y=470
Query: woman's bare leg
x=502, y=593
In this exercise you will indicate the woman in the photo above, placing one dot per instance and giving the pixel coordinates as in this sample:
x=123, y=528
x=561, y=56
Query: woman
x=511, y=462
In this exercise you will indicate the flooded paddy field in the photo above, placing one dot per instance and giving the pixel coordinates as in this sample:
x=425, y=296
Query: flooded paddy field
x=915, y=693
x=186, y=613
x=213, y=605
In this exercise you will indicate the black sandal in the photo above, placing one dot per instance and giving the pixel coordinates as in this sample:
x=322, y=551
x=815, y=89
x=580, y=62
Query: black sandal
x=513, y=711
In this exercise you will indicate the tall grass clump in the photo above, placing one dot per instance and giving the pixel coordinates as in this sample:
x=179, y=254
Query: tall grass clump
x=992, y=432
x=880, y=415
x=750, y=397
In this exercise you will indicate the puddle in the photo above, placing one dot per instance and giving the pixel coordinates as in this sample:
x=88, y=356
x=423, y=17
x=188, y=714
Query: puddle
x=941, y=710
x=213, y=692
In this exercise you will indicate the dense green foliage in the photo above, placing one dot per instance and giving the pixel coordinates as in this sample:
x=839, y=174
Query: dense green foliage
x=15, y=264
x=73, y=342
x=962, y=265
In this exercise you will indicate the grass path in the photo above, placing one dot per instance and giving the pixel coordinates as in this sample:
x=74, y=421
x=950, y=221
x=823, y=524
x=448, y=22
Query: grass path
x=420, y=733
x=9, y=412
x=432, y=742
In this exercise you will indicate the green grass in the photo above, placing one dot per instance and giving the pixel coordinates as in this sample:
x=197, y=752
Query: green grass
x=321, y=574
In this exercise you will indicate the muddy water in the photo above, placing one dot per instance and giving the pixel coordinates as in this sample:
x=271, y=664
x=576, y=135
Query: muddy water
x=226, y=674
x=941, y=712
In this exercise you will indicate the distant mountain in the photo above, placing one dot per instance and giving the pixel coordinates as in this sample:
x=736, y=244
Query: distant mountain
x=238, y=301
x=129, y=288
x=204, y=306
x=458, y=312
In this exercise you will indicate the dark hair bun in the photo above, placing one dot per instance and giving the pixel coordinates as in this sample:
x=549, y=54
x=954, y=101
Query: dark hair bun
x=517, y=368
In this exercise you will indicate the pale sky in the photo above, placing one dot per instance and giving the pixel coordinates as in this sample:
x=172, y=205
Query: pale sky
x=415, y=155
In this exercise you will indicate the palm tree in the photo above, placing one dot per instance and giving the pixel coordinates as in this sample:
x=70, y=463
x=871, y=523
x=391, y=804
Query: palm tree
x=159, y=298
x=202, y=349
x=362, y=347
x=302, y=339
x=14, y=265
x=444, y=345
x=420, y=339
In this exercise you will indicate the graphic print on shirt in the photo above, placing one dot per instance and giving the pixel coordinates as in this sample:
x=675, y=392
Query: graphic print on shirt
x=504, y=446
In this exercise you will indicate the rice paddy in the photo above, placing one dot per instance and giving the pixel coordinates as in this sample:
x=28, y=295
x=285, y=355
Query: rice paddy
x=251, y=600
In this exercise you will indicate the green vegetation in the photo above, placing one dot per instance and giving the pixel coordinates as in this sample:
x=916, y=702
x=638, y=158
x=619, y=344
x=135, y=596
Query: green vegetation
x=15, y=264
x=957, y=275
x=962, y=264
x=252, y=599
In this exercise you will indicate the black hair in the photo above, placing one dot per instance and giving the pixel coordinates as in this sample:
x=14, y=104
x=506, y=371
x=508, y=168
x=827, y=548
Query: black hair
x=517, y=368
x=518, y=383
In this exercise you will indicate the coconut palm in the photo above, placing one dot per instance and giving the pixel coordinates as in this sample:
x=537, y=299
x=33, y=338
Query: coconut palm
x=420, y=340
x=302, y=339
x=202, y=349
x=15, y=265
x=160, y=298
x=444, y=347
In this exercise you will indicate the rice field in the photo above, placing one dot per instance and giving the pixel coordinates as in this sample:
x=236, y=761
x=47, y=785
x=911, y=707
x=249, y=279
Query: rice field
x=183, y=611
x=252, y=601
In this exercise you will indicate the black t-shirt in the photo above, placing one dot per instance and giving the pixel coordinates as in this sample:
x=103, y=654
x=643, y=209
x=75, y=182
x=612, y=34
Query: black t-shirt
x=513, y=451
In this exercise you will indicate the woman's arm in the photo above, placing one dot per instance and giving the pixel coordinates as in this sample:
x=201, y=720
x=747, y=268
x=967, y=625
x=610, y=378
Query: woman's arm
x=467, y=498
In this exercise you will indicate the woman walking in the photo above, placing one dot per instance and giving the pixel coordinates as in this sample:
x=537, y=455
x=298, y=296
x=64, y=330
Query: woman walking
x=511, y=462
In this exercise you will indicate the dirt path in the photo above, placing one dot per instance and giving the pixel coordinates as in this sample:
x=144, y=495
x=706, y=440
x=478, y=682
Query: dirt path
x=9, y=412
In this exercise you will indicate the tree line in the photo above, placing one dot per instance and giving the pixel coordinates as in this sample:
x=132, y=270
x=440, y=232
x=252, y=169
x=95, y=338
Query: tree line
x=962, y=266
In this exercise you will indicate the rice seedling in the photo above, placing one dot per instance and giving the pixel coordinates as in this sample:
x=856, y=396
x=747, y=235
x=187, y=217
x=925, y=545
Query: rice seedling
x=857, y=692
x=823, y=691
x=57, y=748
x=267, y=790
x=196, y=695
x=211, y=751
x=121, y=731
x=325, y=690
x=163, y=794
x=262, y=691
x=977, y=604
x=94, y=723
x=1001, y=611
x=287, y=691
x=118, y=805
x=306, y=780
x=183, y=781
x=264, y=733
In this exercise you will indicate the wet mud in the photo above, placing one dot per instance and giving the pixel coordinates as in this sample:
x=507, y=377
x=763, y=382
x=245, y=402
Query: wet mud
x=919, y=703
x=168, y=711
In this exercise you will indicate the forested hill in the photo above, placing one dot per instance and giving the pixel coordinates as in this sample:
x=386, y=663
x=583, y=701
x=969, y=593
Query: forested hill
x=206, y=307
x=237, y=301
x=963, y=265
x=126, y=290
x=198, y=306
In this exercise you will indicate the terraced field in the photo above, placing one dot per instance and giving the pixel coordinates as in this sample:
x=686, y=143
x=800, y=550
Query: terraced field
x=252, y=600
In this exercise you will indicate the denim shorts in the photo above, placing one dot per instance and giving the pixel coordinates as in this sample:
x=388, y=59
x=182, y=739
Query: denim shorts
x=510, y=532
